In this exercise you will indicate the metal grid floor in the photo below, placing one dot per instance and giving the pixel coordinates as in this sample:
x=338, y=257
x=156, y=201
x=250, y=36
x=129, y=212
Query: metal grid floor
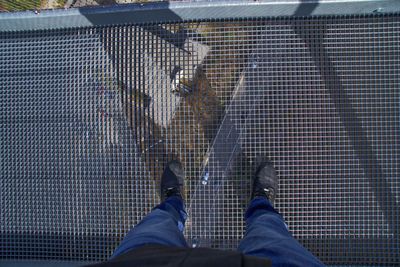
x=88, y=117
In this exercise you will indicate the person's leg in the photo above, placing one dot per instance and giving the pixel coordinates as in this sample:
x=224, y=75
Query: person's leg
x=163, y=226
x=267, y=236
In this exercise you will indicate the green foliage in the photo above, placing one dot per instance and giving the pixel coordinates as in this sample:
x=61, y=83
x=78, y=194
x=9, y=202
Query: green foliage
x=19, y=5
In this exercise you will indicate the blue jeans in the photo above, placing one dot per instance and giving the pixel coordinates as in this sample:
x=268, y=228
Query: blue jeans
x=163, y=226
x=266, y=235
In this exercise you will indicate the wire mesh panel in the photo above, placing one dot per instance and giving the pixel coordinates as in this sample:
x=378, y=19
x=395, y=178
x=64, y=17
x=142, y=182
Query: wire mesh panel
x=90, y=116
x=71, y=171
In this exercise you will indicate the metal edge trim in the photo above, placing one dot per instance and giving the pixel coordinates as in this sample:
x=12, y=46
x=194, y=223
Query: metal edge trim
x=163, y=12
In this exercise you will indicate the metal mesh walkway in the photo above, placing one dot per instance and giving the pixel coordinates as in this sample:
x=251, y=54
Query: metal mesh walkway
x=89, y=115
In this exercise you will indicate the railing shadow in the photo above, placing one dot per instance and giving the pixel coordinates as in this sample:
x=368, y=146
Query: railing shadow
x=313, y=35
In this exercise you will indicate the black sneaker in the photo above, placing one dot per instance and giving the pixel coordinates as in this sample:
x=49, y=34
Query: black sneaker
x=172, y=180
x=265, y=181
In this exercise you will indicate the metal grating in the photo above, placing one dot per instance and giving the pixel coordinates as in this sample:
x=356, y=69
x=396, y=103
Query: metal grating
x=88, y=117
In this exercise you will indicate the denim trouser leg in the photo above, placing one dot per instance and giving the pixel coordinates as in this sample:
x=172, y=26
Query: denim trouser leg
x=163, y=226
x=267, y=236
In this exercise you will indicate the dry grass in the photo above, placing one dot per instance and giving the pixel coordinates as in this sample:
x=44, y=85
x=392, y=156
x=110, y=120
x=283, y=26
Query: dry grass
x=230, y=49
